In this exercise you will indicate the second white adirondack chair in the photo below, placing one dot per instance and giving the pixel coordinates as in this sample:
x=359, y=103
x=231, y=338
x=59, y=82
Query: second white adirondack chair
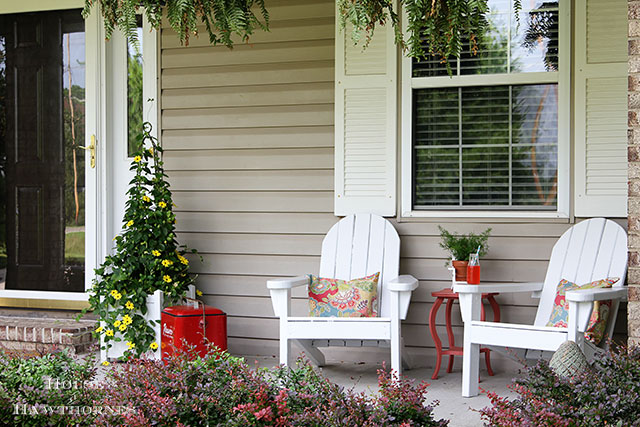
x=590, y=250
x=357, y=246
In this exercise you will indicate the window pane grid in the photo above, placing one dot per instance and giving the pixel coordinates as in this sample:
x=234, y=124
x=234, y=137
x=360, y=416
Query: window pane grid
x=505, y=153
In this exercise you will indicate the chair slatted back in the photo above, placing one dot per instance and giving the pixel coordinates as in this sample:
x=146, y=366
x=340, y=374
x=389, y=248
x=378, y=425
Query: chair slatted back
x=590, y=250
x=360, y=245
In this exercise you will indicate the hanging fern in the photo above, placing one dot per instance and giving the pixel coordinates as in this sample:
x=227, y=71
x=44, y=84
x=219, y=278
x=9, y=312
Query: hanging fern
x=438, y=28
x=222, y=19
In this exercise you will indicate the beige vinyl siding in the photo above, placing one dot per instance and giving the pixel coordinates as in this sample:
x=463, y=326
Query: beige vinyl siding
x=248, y=135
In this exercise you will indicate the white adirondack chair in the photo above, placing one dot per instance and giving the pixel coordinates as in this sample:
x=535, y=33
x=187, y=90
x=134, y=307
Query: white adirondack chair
x=357, y=246
x=590, y=250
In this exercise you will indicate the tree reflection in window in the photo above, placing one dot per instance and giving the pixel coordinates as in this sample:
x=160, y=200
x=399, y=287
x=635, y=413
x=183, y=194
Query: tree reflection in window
x=134, y=93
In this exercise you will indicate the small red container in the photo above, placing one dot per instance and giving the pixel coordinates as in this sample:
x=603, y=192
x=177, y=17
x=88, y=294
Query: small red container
x=192, y=326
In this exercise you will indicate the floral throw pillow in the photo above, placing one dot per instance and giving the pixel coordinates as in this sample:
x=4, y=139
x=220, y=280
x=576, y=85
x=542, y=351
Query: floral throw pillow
x=343, y=298
x=600, y=314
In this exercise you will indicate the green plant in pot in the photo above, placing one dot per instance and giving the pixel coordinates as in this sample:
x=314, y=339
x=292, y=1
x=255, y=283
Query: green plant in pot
x=460, y=246
x=146, y=258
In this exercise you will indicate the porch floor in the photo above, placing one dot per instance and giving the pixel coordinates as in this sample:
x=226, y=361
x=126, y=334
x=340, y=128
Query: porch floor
x=446, y=389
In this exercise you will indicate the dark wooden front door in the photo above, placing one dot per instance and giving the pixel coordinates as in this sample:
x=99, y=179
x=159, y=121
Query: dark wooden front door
x=35, y=151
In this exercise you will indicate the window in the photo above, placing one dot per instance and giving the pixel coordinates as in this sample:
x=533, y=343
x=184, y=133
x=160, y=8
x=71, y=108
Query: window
x=488, y=137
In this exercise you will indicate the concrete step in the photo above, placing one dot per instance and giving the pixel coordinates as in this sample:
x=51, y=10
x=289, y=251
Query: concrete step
x=39, y=334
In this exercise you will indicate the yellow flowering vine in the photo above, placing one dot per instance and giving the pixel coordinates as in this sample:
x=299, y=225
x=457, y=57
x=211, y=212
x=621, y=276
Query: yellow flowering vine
x=146, y=258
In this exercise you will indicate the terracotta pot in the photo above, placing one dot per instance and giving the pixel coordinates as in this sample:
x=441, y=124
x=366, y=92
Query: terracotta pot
x=461, y=270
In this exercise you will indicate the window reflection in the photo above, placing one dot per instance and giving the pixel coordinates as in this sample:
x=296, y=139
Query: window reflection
x=73, y=96
x=3, y=162
x=134, y=92
x=510, y=44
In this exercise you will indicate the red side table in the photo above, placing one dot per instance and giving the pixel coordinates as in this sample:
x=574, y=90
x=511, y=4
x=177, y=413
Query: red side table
x=454, y=350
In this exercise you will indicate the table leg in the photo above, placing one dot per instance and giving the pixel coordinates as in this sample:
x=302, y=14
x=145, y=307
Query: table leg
x=434, y=335
x=450, y=337
x=496, y=318
x=487, y=360
x=495, y=307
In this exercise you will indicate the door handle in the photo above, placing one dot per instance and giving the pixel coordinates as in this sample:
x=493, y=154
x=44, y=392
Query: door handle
x=92, y=150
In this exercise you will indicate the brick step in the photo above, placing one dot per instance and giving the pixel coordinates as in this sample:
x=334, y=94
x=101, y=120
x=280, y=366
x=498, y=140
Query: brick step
x=36, y=334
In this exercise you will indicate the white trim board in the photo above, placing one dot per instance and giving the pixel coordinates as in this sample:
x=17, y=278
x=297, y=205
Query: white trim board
x=47, y=295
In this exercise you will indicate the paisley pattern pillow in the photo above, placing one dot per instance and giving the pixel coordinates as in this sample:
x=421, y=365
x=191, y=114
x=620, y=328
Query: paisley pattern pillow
x=343, y=298
x=597, y=323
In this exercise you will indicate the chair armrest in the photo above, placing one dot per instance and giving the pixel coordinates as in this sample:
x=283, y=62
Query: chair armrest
x=487, y=288
x=598, y=294
x=403, y=283
x=288, y=283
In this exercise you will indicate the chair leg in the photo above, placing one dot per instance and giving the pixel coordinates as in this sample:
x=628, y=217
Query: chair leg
x=470, y=367
x=313, y=353
x=396, y=361
x=285, y=350
x=396, y=358
x=285, y=343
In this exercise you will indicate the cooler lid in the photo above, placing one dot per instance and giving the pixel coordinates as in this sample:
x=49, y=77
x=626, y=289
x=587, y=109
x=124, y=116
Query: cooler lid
x=190, y=311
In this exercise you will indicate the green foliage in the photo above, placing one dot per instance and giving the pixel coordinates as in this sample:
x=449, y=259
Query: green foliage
x=146, y=257
x=222, y=390
x=363, y=15
x=461, y=246
x=444, y=26
x=189, y=390
x=32, y=389
x=608, y=397
x=222, y=19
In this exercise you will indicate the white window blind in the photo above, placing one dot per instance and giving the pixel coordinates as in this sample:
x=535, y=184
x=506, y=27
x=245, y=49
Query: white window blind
x=601, y=109
x=487, y=146
x=488, y=137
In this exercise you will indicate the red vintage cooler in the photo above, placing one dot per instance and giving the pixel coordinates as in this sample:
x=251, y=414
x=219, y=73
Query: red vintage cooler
x=185, y=324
